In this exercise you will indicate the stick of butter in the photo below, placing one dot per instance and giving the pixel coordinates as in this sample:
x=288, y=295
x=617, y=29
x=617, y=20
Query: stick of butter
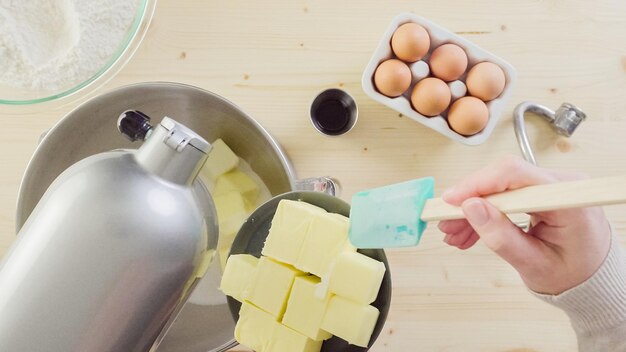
x=305, y=311
x=285, y=339
x=326, y=238
x=231, y=213
x=239, y=272
x=220, y=160
x=289, y=228
x=237, y=181
x=254, y=327
x=351, y=321
x=357, y=277
x=271, y=286
x=223, y=254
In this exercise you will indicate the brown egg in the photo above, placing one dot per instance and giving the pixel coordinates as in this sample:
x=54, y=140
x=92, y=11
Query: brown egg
x=448, y=62
x=410, y=42
x=468, y=116
x=392, y=77
x=486, y=81
x=431, y=96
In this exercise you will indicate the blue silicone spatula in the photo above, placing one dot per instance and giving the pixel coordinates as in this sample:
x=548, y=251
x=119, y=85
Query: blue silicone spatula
x=396, y=215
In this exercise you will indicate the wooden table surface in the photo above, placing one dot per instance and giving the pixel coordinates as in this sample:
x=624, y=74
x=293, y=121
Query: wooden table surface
x=272, y=57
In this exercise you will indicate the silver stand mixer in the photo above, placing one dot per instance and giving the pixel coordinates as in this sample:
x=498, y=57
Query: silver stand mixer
x=113, y=248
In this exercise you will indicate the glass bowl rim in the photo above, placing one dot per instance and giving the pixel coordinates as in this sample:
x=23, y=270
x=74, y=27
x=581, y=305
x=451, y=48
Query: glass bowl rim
x=124, y=52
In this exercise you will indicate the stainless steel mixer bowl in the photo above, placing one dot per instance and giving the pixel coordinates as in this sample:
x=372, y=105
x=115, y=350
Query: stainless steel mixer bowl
x=90, y=129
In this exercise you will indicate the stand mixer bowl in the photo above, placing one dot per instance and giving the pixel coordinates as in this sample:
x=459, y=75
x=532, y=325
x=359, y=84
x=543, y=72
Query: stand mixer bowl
x=198, y=328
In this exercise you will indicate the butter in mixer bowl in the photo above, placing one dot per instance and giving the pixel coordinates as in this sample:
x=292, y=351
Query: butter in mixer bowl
x=283, y=308
x=238, y=181
x=221, y=159
x=236, y=191
x=231, y=213
x=223, y=256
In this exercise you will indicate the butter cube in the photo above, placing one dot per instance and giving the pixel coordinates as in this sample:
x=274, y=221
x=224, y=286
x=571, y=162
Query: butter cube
x=207, y=259
x=250, y=206
x=254, y=327
x=238, y=274
x=326, y=238
x=223, y=254
x=305, y=310
x=221, y=159
x=350, y=321
x=225, y=240
x=231, y=213
x=357, y=277
x=289, y=228
x=285, y=339
x=272, y=285
x=237, y=181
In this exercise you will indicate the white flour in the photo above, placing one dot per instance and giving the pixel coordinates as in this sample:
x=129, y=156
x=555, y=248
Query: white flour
x=56, y=44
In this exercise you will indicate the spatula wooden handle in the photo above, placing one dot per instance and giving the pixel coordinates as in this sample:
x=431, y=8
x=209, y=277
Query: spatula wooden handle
x=553, y=196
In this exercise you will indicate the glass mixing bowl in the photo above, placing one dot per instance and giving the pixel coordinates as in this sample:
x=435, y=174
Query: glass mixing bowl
x=10, y=95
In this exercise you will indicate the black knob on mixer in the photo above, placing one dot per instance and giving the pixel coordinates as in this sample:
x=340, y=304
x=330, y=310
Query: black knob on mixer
x=134, y=124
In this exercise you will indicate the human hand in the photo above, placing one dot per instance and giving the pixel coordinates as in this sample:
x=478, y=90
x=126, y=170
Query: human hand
x=561, y=249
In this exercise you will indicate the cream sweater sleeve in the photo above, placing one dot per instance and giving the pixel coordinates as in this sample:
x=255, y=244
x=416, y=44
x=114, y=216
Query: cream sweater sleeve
x=597, y=307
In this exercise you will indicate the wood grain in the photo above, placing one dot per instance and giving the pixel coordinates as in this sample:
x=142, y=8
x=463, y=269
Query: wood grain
x=272, y=57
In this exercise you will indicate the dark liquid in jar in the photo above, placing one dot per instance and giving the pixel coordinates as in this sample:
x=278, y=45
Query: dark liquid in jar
x=332, y=116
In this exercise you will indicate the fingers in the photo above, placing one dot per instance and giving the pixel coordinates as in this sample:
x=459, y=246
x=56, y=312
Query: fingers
x=563, y=175
x=453, y=226
x=459, y=233
x=501, y=235
x=509, y=173
x=473, y=238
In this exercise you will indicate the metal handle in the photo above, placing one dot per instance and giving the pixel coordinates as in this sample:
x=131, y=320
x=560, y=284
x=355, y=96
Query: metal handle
x=564, y=120
x=323, y=184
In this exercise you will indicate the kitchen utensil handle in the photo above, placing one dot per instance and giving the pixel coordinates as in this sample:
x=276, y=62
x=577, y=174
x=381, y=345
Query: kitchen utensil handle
x=553, y=196
x=322, y=184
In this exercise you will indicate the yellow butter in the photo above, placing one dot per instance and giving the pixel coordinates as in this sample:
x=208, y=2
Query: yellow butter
x=239, y=272
x=223, y=254
x=350, y=321
x=304, y=310
x=231, y=213
x=289, y=229
x=221, y=159
x=240, y=182
x=254, y=327
x=225, y=240
x=357, y=277
x=285, y=339
x=207, y=258
x=271, y=286
x=326, y=238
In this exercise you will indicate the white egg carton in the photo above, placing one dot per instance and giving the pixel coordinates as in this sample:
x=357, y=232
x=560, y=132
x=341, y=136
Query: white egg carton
x=420, y=69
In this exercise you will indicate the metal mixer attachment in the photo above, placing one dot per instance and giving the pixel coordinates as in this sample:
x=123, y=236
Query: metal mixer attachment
x=564, y=120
